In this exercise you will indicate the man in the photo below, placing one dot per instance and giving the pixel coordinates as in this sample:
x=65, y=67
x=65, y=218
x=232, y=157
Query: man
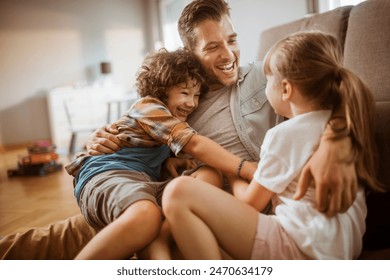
x=235, y=114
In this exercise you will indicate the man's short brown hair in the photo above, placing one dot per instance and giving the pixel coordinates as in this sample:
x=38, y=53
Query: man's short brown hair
x=196, y=12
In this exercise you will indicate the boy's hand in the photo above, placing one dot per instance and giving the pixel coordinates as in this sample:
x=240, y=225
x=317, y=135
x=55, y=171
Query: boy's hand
x=173, y=165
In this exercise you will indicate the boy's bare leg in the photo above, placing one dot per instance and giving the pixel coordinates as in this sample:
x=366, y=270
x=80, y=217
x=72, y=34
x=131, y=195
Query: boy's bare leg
x=61, y=240
x=134, y=229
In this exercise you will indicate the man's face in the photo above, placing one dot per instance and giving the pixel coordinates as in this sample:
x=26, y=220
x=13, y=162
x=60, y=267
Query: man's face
x=218, y=51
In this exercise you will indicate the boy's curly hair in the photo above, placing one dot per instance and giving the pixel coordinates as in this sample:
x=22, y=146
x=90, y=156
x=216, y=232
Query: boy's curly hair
x=162, y=70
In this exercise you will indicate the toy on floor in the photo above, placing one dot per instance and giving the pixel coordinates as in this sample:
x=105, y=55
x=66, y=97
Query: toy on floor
x=40, y=160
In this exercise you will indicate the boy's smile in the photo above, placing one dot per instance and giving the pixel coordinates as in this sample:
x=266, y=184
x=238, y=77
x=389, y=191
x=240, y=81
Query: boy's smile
x=183, y=99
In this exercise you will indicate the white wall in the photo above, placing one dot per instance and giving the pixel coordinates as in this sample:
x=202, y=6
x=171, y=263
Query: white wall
x=251, y=17
x=46, y=44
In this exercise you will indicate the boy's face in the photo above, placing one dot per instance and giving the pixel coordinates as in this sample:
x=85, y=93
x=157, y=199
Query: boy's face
x=183, y=99
x=218, y=51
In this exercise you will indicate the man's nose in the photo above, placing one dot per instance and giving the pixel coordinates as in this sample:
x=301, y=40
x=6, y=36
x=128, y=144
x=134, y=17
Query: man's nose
x=227, y=52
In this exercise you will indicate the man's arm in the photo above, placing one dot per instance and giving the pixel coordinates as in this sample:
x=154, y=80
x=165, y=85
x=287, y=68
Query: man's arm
x=103, y=141
x=333, y=173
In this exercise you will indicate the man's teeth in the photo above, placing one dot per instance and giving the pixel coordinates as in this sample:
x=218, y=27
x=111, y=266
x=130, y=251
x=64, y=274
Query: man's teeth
x=226, y=67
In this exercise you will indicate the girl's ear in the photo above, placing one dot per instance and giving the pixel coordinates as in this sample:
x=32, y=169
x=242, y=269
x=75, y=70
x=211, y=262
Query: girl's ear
x=286, y=90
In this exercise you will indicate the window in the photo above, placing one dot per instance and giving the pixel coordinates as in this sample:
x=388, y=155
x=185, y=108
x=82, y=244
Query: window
x=170, y=11
x=326, y=5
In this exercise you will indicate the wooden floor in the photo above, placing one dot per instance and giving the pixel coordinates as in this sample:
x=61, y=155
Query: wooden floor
x=33, y=201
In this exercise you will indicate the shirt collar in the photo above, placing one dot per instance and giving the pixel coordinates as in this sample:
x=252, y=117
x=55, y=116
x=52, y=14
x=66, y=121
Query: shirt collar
x=243, y=71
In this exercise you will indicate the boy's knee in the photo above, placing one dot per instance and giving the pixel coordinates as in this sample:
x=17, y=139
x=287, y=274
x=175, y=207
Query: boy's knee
x=140, y=223
x=143, y=214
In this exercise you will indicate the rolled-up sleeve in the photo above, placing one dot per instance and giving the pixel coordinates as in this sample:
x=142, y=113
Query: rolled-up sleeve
x=157, y=124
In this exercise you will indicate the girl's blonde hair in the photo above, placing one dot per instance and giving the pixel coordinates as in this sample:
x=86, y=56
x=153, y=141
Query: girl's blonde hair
x=313, y=62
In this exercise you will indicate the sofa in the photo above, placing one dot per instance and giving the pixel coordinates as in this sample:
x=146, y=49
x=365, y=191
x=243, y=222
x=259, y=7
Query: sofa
x=364, y=33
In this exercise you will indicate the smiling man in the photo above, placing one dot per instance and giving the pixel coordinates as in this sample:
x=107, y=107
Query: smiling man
x=218, y=51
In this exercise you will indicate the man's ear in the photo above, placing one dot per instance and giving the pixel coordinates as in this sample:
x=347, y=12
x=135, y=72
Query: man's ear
x=286, y=89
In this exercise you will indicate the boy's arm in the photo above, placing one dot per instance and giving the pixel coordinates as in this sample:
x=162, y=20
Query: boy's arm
x=333, y=174
x=212, y=154
x=173, y=166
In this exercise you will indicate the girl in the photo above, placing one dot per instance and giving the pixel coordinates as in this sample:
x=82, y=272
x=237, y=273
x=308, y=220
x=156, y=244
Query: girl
x=118, y=193
x=306, y=83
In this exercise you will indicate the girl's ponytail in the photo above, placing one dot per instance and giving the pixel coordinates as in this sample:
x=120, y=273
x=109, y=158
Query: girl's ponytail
x=359, y=109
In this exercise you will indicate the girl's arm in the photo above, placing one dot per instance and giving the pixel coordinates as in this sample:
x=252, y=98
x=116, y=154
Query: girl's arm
x=210, y=153
x=251, y=193
x=238, y=186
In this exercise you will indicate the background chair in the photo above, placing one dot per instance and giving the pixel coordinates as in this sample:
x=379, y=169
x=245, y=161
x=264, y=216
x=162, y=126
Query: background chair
x=87, y=113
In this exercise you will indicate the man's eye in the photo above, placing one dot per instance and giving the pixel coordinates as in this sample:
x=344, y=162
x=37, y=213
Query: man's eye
x=211, y=47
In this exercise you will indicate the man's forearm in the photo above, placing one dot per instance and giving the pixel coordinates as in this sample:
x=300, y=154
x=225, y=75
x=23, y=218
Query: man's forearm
x=335, y=138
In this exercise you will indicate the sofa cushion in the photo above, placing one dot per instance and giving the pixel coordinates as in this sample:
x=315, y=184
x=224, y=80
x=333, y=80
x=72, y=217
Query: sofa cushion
x=366, y=52
x=366, y=48
x=333, y=22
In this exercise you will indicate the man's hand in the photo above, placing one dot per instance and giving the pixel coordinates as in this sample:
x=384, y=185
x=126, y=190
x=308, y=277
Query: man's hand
x=173, y=164
x=103, y=141
x=334, y=177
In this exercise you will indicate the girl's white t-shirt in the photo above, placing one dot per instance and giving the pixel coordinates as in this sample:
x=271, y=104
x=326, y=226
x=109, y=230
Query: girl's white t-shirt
x=285, y=150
